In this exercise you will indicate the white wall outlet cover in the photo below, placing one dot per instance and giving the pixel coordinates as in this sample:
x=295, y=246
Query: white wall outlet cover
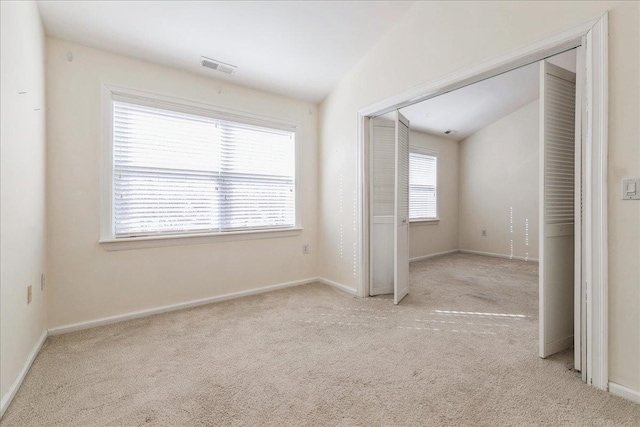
x=631, y=189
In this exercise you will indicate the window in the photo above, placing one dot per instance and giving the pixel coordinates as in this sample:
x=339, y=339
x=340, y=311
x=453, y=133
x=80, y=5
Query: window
x=423, y=179
x=179, y=170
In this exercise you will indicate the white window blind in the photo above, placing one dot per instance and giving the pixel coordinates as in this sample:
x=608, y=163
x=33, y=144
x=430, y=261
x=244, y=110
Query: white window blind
x=423, y=181
x=184, y=173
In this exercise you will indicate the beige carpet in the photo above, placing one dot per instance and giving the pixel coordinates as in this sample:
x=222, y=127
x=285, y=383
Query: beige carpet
x=312, y=355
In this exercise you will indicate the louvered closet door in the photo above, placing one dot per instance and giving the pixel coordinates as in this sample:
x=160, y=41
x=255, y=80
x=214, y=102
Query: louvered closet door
x=557, y=208
x=382, y=206
x=401, y=217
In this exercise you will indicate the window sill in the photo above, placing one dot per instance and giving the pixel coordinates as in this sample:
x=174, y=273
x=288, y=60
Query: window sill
x=432, y=221
x=126, y=243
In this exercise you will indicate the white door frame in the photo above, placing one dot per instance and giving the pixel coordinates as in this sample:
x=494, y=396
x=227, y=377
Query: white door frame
x=593, y=36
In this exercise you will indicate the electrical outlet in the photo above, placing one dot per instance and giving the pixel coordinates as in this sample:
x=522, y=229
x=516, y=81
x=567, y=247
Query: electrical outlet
x=42, y=282
x=305, y=249
x=484, y=233
x=29, y=294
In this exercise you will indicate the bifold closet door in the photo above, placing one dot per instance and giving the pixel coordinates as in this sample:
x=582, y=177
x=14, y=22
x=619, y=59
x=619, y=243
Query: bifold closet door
x=401, y=210
x=389, y=232
x=382, y=190
x=557, y=208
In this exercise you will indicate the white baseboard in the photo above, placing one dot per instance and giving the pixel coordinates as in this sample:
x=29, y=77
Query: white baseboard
x=422, y=258
x=624, y=392
x=557, y=346
x=173, y=307
x=8, y=397
x=519, y=258
x=338, y=286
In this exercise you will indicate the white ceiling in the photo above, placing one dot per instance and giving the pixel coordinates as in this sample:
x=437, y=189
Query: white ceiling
x=297, y=49
x=469, y=109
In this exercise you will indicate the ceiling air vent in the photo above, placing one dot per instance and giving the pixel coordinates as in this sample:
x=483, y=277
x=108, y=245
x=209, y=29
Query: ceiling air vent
x=218, y=65
x=450, y=132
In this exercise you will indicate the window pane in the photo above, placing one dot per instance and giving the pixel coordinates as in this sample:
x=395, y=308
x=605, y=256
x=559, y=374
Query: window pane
x=148, y=202
x=422, y=186
x=166, y=169
x=176, y=172
x=258, y=177
x=154, y=138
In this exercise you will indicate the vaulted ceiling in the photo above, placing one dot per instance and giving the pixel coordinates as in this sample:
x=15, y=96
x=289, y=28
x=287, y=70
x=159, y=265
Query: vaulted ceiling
x=474, y=107
x=297, y=49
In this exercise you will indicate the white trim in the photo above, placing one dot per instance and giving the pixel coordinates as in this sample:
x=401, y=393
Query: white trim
x=624, y=392
x=363, y=272
x=8, y=397
x=439, y=254
x=111, y=92
x=174, y=307
x=491, y=254
x=338, y=286
x=194, y=239
x=597, y=100
x=578, y=293
x=424, y=221
x=421, y=149
x=217, y=111
x=106, y=165
x=193, y=303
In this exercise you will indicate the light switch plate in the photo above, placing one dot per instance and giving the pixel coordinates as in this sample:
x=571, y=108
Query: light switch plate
x=631, y=189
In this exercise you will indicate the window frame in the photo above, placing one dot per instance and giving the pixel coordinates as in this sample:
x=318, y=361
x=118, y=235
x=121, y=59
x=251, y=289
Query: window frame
x=415, y=149
x=108, y=239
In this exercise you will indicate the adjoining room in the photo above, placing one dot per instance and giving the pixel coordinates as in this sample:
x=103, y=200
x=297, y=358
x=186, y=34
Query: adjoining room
x=474, y=187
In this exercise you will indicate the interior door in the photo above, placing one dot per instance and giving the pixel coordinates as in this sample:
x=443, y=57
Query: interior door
x=382, y=190
x=557, y=208
x=401, y=210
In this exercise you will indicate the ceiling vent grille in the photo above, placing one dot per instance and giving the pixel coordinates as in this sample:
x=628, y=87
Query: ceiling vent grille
x=218, y=65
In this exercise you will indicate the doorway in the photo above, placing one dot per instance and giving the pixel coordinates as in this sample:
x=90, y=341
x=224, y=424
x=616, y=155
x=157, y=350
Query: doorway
x=491, y=172
x=592, y=111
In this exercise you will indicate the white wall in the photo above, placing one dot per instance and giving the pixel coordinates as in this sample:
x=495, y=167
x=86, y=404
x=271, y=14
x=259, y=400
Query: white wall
x=428, y=238
x=23, y=187
x=85, y=281
x=499, y=172
x=437, y=38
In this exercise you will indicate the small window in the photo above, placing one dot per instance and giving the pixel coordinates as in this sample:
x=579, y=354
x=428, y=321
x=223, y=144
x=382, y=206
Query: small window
x=181, y=171
x=423, y=187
